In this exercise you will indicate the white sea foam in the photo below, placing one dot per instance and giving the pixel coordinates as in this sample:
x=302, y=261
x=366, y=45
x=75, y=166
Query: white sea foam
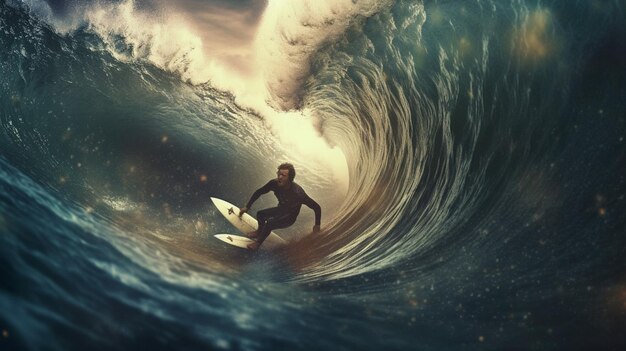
x=272, y=82
x=292, y=32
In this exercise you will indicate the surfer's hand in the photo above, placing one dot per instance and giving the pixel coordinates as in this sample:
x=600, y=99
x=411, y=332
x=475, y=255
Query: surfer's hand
x=316, y=229
x=242, y=211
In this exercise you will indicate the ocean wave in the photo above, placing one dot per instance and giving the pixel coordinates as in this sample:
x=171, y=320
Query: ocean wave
x=434, y=124
x=467, y=156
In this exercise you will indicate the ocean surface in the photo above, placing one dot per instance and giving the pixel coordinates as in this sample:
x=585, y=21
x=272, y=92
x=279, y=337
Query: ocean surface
x=469, y=158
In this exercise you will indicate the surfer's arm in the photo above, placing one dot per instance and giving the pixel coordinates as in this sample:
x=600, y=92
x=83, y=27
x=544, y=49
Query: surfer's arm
x=316, y=208
x=260, y=191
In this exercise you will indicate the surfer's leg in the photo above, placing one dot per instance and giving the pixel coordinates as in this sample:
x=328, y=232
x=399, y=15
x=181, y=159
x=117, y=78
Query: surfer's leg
x=278, y=220
x=253, y=245
x=262, y=216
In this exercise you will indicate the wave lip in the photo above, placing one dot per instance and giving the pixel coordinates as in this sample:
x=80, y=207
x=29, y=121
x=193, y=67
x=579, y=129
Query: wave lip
x=291, y=33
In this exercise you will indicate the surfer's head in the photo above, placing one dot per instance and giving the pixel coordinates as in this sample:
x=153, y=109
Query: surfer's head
x=285, y=174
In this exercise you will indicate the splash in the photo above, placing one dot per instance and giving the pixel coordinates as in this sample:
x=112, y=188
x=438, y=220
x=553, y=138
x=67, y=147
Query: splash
x=174, y=43
x=293, y=31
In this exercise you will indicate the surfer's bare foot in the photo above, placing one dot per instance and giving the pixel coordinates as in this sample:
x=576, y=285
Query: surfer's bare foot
x=253, y=235
x=253, y=246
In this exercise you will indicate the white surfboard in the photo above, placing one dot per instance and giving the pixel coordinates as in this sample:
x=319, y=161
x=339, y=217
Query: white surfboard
x=235, y=240
x=246, y=224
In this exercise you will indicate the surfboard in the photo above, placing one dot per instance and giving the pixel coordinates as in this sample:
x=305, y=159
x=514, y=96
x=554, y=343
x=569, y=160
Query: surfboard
x=235, y=240
x=245, y=224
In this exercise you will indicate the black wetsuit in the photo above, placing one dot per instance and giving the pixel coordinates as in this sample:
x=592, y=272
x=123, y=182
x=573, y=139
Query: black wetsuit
x=290, y=199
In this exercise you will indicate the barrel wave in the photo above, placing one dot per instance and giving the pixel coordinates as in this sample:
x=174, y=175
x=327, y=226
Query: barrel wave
x=468, y=156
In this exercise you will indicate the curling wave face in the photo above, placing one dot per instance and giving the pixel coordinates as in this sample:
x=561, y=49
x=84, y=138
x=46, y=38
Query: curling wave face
x=433, y=129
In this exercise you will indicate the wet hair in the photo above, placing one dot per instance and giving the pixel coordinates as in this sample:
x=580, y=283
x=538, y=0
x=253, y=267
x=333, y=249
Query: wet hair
x=289, y=167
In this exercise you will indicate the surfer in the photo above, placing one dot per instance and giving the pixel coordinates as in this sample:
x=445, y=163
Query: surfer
x=290, y=197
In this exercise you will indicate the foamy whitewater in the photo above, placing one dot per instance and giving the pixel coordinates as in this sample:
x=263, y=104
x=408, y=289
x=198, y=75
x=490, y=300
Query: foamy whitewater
x=468, y=156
